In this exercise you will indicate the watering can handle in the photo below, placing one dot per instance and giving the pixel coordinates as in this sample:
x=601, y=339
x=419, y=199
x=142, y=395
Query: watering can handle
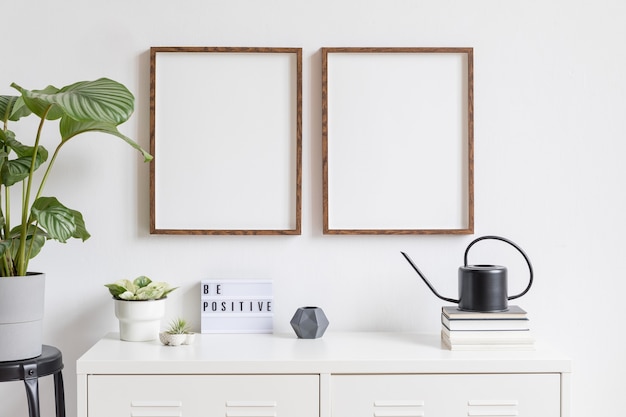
x=530, y=267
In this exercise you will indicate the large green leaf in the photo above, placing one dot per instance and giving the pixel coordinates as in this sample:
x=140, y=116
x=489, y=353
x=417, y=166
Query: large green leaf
x=6, y=135
x=22, y=150
x=55, y=218
x=20, y=109
x=6, y=107
x=39, y=235
x=15, y=170
x=70, y=128
x=41, y=107
x=101, y=100
x=3, y=158
x=37, y=244
x=4, y=245
x=12, y=108
x=81, y=231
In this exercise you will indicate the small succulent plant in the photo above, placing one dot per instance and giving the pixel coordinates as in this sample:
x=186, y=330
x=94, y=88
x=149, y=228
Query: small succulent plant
x=140, y=289
x=179, y=333
x=178, y=326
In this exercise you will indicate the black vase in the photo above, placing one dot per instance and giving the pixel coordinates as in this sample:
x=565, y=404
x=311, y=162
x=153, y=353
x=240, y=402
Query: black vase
x=309, y=322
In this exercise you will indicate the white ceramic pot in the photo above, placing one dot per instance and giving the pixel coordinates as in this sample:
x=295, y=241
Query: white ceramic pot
x=177, y=339
x=140, y=321
x=172, y=339
x=21, y=316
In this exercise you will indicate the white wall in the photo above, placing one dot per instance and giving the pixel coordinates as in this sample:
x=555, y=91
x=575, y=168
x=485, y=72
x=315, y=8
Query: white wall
x=550, y=100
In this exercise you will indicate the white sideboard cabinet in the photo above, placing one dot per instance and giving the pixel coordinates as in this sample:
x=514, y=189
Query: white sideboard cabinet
x=338, y=375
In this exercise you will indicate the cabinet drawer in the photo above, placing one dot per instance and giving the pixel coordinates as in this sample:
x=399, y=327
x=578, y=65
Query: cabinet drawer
x=203, y=395
x=447, y=395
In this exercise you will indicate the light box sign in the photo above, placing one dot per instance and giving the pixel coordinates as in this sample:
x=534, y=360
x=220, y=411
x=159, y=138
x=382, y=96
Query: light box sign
x=237, y=306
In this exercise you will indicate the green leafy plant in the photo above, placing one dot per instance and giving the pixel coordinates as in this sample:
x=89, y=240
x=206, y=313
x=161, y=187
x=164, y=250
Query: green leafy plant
x=86, y=106
x=178, y=326
x=140, y=289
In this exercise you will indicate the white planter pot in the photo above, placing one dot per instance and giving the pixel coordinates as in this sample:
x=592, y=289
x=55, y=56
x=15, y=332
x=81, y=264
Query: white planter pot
x=140, y=321
x=172, y=339
x=177, y=339
x=21, y=316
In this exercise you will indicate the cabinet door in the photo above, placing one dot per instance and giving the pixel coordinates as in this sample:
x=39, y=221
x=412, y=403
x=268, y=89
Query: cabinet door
x=525, y=395
x=203, y=395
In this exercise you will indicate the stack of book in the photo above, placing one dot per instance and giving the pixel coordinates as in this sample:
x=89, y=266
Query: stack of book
x=469, y=330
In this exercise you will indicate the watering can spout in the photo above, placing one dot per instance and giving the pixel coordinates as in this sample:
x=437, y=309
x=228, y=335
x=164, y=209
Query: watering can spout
x=408, y=259
x=482, y=288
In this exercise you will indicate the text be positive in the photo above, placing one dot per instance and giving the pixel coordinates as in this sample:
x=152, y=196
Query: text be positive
x=237, y=306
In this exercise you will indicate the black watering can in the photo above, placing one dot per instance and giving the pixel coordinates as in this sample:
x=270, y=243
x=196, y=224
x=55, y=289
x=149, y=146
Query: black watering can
x=482, y=288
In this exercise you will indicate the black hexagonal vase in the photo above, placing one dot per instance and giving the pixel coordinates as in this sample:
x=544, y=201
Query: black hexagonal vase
x=309, y=322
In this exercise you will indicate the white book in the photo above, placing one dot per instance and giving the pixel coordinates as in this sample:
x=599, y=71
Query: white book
x=485, y=324
x=446, y=344
x=491, y=337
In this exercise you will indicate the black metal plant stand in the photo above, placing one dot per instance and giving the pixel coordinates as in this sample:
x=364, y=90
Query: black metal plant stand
x=50, y=362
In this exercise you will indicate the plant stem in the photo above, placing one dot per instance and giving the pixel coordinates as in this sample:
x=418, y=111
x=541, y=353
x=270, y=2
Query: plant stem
x=39, y=191
x=45, y=175
x=7, y=212
x=7, y=200
x=22, y=260
x=7, y=261
x=32, y=240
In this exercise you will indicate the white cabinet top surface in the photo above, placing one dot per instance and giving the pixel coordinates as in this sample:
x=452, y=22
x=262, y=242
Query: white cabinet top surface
x=285, y=353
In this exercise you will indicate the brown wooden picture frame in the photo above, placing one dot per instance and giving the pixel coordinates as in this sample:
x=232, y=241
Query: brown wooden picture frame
x=226, y=136
x=397, y=140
